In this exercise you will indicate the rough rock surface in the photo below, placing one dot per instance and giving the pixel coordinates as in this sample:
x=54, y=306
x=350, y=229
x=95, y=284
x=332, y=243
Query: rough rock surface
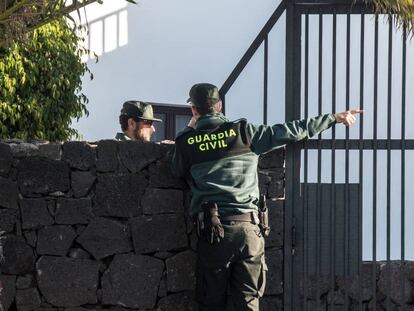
x=25, y=281
x=107, y=160
x=272, y=303
x=8, y=292
x=162, y=289
x=104, y=237
x=178, y=302
x=398, y=281
x=73, y=211
x=8, y=193
x=22, y=149
x=315, y=285
x=42, y=176
x=8, y=218
x=181, y=271
x=136, y=155
x=82, y=183
x=119, y=195
x=276, y=189
x=27, y=299
x=158, y=233
x=132, y=281
x=35, y=213
x=55, y=240
x=30, y=237
x=79, y=155
x=161, y=176
x=78, y=253
x=275, y=238
x=361, y=286
x=274, y=262
x=6, y=158
x=61, y=291
x=264, y=181
x=161, y=201
x=16, y=255
x=52, y=151
x=273, y=159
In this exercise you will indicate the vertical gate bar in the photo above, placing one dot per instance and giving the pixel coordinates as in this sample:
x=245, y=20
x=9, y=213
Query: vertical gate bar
x=305, y=259
x=347, y=192
x=332, y=192
x=361, y=159
x=291, y=268
x=388, y=271
x=404, y=64
x=374, y=183
x=265, y=78
x=318, y=185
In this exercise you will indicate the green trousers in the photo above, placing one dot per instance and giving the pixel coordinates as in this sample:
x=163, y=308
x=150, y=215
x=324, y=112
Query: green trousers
x=235, y=263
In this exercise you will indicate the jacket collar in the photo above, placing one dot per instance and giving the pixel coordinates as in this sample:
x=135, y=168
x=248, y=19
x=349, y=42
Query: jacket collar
x=211, y=120
x=122, y=137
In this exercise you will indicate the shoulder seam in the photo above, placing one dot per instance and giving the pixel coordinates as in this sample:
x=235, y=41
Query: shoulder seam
x=239, y=120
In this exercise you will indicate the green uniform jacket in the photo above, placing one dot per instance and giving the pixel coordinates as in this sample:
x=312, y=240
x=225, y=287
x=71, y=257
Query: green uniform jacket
x=220, y=157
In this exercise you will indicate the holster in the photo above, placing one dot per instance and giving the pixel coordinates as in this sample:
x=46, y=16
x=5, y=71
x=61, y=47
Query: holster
x=264, y=216
x=208, y=223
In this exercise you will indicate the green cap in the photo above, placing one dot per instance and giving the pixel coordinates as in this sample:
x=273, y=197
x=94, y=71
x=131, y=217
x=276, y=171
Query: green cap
x=204, y=94
x=138, y=110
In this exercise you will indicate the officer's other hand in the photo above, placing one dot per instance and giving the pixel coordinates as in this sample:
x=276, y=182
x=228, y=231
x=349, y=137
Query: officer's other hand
x=347, y=117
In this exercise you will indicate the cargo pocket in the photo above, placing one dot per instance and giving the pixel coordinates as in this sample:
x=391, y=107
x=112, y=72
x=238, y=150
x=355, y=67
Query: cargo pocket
x=261, y=284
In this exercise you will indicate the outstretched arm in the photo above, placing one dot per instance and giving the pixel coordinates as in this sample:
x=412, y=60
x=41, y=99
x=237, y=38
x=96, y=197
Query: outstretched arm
x=264, y=138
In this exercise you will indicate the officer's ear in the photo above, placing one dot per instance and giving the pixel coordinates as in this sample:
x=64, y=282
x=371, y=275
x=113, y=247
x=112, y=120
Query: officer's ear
x=218, y=106
x=194, y=111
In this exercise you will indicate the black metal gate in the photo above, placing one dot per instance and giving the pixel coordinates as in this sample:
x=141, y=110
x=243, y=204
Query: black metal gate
x=346, y=234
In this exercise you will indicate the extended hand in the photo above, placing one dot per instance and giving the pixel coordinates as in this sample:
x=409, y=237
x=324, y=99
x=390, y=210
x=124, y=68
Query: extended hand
x=348, y=117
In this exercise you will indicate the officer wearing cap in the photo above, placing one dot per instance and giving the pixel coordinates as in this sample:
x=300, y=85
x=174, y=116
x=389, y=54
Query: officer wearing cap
x=219, y=157
x=136, y=121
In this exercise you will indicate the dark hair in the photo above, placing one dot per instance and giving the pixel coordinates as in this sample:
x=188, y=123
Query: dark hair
x=205, y=109
x=123, y=120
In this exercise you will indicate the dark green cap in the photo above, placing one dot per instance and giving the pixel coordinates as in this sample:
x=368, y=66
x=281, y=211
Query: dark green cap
x=204, y=94
x=138, y=110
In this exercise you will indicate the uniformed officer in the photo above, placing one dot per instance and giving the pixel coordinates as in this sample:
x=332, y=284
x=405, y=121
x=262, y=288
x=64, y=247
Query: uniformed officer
x=220, y=159
x=136, y=121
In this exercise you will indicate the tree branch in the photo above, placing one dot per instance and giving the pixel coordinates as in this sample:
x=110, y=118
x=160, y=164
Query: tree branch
x=6, y=13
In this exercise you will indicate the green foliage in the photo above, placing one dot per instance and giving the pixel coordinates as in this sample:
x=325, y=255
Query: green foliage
x=40, y=85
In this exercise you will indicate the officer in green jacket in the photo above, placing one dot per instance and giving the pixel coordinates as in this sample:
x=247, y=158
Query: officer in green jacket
x=219, y=157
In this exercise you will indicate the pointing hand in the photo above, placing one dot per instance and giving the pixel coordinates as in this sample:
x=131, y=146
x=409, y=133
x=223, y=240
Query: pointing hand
x=348, y=117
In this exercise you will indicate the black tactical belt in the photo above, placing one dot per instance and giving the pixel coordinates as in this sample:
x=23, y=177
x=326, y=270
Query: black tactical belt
x=247, y=217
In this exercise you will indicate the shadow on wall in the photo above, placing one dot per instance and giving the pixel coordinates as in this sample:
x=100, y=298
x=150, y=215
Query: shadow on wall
x=107, y=34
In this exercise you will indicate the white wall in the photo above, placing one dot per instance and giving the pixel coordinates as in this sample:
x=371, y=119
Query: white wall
x=160, y=49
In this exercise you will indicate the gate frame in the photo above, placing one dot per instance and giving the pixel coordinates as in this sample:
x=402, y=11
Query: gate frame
x=295, y=9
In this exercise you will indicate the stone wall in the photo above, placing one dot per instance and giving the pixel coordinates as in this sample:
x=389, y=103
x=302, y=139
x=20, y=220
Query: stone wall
x=369, y=290
x=105, y=226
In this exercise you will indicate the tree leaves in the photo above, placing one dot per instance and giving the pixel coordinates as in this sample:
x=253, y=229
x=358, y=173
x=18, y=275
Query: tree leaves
x=40, y=83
